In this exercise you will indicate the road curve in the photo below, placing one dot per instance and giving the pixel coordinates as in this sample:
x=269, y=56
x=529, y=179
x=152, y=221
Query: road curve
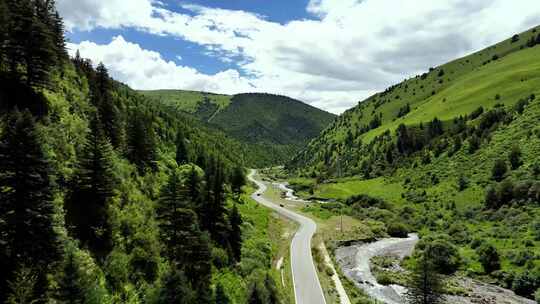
x=307, y=288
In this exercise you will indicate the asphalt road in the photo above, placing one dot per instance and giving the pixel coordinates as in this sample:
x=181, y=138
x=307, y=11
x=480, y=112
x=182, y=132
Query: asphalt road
x=307, y=288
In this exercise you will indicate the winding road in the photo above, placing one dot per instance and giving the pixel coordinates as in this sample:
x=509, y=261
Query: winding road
x=307, y=288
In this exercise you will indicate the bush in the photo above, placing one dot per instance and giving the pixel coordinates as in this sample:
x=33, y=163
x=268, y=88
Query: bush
x=499, y=170
x=383, y=278
x=489, y=257
x=525, y=284
x=397, y=230
x=445, y=255
x=515, y=157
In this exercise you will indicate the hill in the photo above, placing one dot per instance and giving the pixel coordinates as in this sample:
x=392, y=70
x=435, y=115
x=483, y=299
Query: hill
x=275, y=126
x=501, y=74
x=453, y=154
x=109, y=197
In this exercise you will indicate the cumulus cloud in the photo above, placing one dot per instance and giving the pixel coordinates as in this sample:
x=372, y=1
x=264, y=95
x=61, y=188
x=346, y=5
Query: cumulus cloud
x=352, y=49
x=145, y=69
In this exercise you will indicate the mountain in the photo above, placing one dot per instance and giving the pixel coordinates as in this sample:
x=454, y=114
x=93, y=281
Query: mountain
x=273, y=126
x=108, y=196
x=453, y=154
x=501, y=74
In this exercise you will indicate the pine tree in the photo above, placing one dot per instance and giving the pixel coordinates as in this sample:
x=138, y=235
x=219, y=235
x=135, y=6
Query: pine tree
x=71, y=290
x=21, y=19
x=176, y=289
x=515, y=157
x=187, y=247
x=238, y=179
x=141, y=142
x=235, y=235
x=195, y=188
x=221, y=297
x=213, y=208
x=271, y=288
x=108, y=112
x=58, y=37
x=27, y=210
x=425, y=284
x=499, y=170
x=182, y=154
x=255, y=296
x=40, y=54
x=88, y=203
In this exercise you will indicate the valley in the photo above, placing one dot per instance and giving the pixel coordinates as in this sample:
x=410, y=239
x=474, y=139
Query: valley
x=117, y=186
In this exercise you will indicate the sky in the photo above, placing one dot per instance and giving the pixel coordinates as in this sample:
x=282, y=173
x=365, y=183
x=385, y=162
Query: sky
x=329, y=53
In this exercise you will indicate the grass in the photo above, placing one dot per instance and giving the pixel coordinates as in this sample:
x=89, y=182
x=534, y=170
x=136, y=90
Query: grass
x=512, y=77
x=188, y=101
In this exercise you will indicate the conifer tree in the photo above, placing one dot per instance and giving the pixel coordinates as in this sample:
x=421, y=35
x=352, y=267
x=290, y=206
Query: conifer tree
x=187, y=247
x=108, y=112
x=176, y=289
x=255, y=296
x=235, y=236
x=20, y=23
x=238, y=179
x=195, y=188
x=221, y=297
x=182, y=154
x=27, y=210
x=271, y=288
x=425, y=284
x=71, y=290
x=88, y=203
x=141, y=142
x=213, y=208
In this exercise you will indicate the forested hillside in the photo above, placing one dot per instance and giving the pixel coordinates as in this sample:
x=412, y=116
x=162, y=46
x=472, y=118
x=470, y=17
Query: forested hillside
x=273, y=127
x=453, y=154
x=108, y=197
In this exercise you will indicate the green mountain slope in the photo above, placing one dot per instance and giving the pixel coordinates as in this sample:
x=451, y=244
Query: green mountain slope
x=500, y=74
x=273, y=126
x=460, y=165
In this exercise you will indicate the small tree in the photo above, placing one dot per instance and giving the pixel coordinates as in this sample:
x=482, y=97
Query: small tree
x=221, y=297
x=515, y=157
x=182, y=155
x=489, y=257
x=462, y=183
x=425, y=284
x=499, y=170
x=491, y=199
x=474, y=143
x=235, y=235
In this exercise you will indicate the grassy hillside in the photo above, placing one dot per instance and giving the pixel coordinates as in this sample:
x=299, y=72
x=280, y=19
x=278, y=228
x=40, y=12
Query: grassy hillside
x=461, y=163
x=274, y=127
x=502, y=73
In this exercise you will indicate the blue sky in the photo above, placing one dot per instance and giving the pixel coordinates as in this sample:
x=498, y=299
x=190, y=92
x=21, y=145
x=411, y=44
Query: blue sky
x=329, y=53
x=182, y=51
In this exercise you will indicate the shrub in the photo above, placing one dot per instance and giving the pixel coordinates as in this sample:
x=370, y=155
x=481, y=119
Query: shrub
x=397, y=230
x=489, y=257
x=383, y=278
x=515, y=157
x=474, y=143
x=499, y=170
x=445, y=255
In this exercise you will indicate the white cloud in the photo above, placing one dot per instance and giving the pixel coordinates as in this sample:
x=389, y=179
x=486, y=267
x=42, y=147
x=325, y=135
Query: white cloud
x=144, y=69
x=354, y=48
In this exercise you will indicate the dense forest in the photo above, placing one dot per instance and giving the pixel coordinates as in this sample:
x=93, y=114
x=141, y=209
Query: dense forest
x=452, y=154
x=272, y=127
x=105, y=196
